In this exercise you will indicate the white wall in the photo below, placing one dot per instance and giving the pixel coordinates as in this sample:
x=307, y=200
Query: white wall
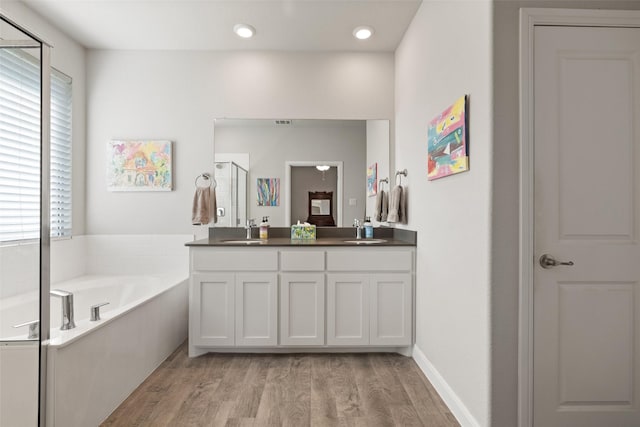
x=505, y=214
x=177, y=95
x=445, y=54
x=270, y=146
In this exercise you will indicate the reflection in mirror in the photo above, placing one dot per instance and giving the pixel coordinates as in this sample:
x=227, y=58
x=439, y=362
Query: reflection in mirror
x=320, y=207
x=269, y=147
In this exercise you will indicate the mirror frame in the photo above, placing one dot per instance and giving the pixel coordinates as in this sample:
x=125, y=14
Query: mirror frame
x=287, y=187
x=321, y=220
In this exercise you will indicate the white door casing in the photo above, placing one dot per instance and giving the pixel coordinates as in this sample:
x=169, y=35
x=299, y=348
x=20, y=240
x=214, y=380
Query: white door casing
x=586, y=369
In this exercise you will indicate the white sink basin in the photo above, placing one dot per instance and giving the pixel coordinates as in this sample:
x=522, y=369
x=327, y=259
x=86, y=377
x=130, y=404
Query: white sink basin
x=244, y=242
x=366, y=241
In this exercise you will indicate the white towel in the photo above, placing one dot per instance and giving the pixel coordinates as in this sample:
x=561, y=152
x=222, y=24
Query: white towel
x=200, y=212
x=394, y=204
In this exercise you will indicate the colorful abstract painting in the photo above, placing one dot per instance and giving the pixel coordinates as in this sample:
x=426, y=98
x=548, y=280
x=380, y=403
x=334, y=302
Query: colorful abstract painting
x=268, y=191
x=139, y=165
x=372, y=180
x=447, y=142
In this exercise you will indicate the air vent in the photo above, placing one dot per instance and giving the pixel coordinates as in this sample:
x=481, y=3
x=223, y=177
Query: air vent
x=283, y=122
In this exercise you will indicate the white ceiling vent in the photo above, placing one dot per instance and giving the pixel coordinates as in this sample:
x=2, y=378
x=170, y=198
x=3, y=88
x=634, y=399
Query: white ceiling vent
x=283, y=122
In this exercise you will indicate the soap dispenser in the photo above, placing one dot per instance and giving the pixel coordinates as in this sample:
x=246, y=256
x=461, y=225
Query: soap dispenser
x=264, y=228
x=368, y=228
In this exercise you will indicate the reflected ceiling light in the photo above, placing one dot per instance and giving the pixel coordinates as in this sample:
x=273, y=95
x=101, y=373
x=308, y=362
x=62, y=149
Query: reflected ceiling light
x=363, y=32
x=323, y=168
x=245, y=31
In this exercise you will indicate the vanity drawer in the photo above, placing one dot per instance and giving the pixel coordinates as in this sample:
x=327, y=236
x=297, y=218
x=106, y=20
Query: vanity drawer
x=240, y=259
x=369, y=259
x=305, y=260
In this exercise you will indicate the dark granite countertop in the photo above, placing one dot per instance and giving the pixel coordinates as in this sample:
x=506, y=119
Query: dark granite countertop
x=326, y=236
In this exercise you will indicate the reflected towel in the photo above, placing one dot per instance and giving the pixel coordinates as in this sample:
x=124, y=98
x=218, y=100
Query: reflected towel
x=385, y=207
x=378, y=212
x=200, y=212
x=214, y=208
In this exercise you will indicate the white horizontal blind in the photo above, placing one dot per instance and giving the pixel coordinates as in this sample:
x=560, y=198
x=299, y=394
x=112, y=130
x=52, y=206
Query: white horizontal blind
x=60, y=155
x=20, y=148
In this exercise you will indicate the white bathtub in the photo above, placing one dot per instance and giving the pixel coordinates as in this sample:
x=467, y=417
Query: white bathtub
x=95, y=366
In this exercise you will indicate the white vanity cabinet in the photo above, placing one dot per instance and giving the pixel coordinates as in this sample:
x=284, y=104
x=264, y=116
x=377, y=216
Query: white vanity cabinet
x=302, y=297
x=212, y=309
x=348, y=309
x=233, y=298
x=371, y=303
x=256, y=309
x=317, y=297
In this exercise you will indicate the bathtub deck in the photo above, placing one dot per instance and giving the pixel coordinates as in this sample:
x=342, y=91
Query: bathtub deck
x=380, y=389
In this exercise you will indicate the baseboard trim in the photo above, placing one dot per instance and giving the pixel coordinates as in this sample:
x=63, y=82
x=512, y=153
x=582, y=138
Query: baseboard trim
x=450, y=398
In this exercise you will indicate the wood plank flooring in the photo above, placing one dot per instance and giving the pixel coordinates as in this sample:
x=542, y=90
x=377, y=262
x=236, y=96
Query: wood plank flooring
x=375, y=389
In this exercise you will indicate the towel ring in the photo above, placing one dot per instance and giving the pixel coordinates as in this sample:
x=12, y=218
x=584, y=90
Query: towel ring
x=206, y=177
x=385, y=180
x=401, y=173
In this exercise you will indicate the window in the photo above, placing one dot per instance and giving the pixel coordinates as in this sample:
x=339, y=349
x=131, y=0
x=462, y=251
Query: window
x=20, y=148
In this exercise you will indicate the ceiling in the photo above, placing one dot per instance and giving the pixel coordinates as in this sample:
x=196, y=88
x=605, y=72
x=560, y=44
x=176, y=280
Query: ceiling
x=289, y=25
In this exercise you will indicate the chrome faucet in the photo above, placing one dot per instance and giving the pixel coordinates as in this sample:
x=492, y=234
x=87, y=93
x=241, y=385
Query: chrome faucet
x=251, y=223
x=67, y=308
x=359, y=227
x=34, y=329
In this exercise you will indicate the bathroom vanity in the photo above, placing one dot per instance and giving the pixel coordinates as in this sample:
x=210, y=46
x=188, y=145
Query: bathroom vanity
x=334, y=293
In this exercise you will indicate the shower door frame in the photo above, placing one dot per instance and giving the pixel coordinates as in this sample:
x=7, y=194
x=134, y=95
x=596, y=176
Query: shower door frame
x=45, y=239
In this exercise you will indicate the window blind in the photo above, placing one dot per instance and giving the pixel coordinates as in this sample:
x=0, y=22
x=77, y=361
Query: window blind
x=20, y=148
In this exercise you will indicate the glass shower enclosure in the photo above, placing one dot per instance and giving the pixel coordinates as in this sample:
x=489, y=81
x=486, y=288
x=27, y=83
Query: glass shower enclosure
x=24, y=224
x=231, y=194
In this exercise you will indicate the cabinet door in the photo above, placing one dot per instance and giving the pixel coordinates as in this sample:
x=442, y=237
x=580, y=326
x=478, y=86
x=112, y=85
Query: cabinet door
x=347, y=309
x=256, y=309
x=302, y=309
x=211, y=316
x=391, y=309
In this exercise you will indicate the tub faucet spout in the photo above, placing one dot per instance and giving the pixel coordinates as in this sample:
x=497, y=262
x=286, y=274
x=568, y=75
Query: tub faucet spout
x=67, y=308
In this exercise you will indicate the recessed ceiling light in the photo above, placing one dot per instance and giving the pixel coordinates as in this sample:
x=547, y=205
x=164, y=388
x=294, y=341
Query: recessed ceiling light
x=363, y=32
x=245, y=31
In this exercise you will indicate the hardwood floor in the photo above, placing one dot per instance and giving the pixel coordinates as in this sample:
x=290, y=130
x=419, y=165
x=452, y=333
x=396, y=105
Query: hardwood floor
x=284, y=390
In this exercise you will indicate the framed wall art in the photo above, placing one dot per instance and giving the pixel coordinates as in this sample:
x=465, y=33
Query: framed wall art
x=447, y=152
x=139, y=165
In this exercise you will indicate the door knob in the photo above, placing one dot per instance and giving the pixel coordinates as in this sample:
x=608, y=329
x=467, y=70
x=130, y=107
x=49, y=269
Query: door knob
x=547, y=261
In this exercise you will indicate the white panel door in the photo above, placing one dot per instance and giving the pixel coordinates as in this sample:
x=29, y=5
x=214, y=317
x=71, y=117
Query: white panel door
x=587, y=180
x=348, y=309
x=256, y=309
x=302, y=309
x=212, y=309
x=390, y=309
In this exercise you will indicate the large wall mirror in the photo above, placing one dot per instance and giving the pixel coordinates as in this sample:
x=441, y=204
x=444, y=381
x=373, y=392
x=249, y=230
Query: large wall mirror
x=287, y=159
